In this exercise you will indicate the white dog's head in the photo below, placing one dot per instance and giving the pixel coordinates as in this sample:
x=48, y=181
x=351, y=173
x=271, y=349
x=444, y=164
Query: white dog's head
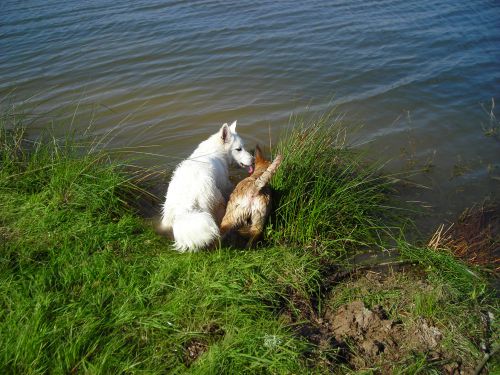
x=234, y=147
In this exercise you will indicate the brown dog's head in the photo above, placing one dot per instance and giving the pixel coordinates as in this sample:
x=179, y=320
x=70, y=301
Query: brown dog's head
x=261, y=164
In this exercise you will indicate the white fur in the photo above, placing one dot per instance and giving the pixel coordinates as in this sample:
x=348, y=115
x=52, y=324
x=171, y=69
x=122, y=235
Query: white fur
x=198, y=191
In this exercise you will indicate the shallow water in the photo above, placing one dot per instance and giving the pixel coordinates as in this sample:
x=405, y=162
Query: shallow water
x=419, y=76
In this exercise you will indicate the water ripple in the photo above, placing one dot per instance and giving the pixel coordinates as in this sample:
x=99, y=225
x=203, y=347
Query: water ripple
x=175, y=70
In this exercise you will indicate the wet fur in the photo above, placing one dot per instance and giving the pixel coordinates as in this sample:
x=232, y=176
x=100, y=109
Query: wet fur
x=249, y=204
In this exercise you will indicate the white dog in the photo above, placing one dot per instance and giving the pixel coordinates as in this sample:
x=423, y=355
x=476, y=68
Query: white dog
x=199, y=189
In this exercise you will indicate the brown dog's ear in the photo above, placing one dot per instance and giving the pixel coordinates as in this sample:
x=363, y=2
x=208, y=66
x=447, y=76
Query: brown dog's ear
x=258, y=153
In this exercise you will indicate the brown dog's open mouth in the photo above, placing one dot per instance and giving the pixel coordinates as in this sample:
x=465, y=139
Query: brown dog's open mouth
x=248, y=167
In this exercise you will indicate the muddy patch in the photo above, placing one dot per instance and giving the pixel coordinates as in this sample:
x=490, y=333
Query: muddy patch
x=193, y=349
x=196, y=346
x=377, y=322
x=373, y=338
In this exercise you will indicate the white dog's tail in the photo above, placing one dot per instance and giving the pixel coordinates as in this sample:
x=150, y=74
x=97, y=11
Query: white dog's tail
x=194, y=231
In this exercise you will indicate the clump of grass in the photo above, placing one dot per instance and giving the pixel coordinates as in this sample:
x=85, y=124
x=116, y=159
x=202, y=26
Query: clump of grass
x=326, y=196
x=463, y=281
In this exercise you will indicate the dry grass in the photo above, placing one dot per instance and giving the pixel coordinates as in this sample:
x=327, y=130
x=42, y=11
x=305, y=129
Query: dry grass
x=474, y=237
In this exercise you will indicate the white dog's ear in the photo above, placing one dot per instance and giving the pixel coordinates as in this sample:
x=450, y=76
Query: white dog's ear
x=225, y=133
x=233, y=127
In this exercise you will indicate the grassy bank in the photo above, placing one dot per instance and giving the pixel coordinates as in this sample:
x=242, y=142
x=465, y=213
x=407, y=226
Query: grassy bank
x=87, y=286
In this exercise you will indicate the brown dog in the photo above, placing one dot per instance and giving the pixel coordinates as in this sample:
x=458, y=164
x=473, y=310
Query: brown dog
x=250, y=203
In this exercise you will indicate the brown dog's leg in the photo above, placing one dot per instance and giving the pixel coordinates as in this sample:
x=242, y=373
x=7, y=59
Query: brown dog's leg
x=255, y=231
x=220, y=210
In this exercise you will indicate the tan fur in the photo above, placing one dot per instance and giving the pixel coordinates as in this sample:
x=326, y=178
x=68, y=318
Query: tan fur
x=250, y=203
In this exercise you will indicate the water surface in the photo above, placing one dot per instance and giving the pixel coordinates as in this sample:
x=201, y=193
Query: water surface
x=165, y=74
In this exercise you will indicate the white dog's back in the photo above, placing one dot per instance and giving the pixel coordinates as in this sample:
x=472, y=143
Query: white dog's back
x=192, y=200
x=198, y=191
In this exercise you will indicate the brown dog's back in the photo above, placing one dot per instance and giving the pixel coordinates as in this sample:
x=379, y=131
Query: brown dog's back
x=250, y=203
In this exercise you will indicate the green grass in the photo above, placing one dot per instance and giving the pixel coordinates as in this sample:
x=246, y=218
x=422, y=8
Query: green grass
x=86, y=285
x=327, y=196
x=465, y=282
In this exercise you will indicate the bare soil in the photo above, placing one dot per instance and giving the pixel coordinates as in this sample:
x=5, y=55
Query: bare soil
x=195, y=347
x=376, y=340
x=359, y=337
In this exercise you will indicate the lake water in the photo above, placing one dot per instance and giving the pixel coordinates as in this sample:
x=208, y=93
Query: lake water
x=420, y=77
